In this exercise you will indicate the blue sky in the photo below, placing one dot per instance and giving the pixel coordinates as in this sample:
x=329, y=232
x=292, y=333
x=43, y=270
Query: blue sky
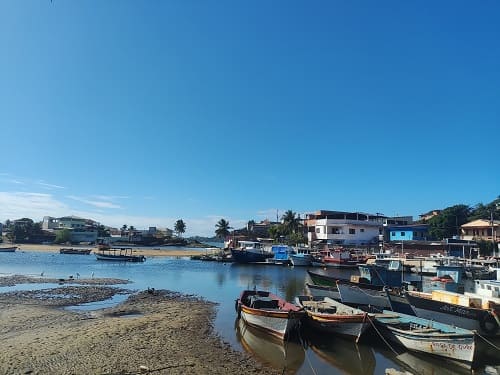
x=141, y=113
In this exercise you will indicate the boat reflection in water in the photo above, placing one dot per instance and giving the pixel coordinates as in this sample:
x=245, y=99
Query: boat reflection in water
x=284, y=355
x=421, y=364
x=344, y=355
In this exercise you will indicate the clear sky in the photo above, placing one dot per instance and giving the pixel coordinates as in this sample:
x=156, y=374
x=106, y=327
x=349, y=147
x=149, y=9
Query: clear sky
x=145, y=112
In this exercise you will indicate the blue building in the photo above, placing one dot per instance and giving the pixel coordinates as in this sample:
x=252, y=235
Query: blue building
x=417, y=232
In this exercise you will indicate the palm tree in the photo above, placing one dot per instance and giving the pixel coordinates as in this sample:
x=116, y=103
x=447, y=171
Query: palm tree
x=290, y=222
x=222, y=228
x=180, y=227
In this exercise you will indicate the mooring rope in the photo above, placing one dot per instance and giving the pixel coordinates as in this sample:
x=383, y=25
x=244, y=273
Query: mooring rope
x=383, y=338
x=488, y=341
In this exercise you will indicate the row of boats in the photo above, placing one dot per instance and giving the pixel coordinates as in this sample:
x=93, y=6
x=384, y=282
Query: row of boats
x=440, y=322
x=123, y=254
x=344, y=258
x=279, y=318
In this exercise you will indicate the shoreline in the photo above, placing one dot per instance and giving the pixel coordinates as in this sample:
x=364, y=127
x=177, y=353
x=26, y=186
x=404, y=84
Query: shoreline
x=148, y=252
x=157, y=331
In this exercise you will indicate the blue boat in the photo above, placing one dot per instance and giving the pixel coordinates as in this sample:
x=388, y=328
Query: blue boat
x=251, y=252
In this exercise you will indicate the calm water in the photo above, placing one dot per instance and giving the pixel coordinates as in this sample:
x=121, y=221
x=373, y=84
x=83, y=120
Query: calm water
x=222, y=283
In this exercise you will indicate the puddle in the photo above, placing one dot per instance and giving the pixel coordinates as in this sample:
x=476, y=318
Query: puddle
x=110, y=302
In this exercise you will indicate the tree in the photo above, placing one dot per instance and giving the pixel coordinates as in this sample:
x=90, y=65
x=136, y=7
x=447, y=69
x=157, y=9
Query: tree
x=123, y=229
x=290, y=222
x=102, y=231
x=222, y=229
x=447, y=223
x=63, y=236
x=179, y=227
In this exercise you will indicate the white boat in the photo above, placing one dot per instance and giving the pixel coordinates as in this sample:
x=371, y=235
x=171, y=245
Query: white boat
x=268, y=312
x=328, y=315
x=303, y=256
x=428, y=336
x=123, y=254
x=457, y=309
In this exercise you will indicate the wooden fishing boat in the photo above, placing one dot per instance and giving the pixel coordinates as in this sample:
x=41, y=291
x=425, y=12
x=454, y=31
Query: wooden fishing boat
x=72, y=250
x=9, y=249
x=454, y=308
x=268, y=312
x=427, y=336
x=123, y=254
x=328, y=315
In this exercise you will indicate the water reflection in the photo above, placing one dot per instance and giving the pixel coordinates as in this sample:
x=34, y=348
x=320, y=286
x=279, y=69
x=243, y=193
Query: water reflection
x=287, y=356
x=342, y=354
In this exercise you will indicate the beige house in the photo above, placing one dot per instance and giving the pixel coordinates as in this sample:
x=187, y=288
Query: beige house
x=481, y=230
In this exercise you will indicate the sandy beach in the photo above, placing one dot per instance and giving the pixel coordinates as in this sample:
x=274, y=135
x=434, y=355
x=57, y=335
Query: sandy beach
x=159, y=332
x=148, y=252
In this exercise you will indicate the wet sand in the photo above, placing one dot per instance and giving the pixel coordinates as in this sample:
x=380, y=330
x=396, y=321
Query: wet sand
x=148, y=252
x=159, y=332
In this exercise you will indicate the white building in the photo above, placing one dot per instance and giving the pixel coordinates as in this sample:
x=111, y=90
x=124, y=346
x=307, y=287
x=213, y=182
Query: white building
x=344, y=228
x=82, y=230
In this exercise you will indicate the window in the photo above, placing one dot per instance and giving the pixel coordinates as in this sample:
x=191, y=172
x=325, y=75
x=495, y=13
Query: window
x=393, y=233
x=362, y=230
x=402, y=234
x=318, y=230
x=352, y=231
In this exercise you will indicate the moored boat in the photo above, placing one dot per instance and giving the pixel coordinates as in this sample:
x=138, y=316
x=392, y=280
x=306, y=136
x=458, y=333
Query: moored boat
x=9, y=249
x=303, y=256
x=251, y=252
x=71, y=250
x=268, y=312
x=427, y=336
x=124, y=254
x=457, y=309
x=328, y=315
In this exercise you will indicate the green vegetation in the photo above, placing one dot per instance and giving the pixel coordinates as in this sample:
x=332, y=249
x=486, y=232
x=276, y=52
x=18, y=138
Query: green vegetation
x=222, y=229
x=179, y=227
x=290, y=231
x=63, y=236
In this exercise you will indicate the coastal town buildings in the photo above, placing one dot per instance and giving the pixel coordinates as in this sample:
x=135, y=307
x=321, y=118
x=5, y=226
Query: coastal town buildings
x=82, y=230
x=344, y=228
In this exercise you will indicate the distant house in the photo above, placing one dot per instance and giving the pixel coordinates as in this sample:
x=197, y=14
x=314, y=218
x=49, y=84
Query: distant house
x=481, y=229
x=417, y=232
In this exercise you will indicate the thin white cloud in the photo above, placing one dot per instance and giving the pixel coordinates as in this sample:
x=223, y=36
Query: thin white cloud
x=109, y=197
x=15, y=205
x=49, y=186
x=33, y=205
x=95, y=203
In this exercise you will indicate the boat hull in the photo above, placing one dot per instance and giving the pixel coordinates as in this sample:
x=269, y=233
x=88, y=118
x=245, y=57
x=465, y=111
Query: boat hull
x=350, y=327
x=121, y=258
x=436, y=338
x=244, y=256
x=301, y=261
x=482, y=321
x=276, y=324
x=8, y=249
x=268, y=313
x=355, y=295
